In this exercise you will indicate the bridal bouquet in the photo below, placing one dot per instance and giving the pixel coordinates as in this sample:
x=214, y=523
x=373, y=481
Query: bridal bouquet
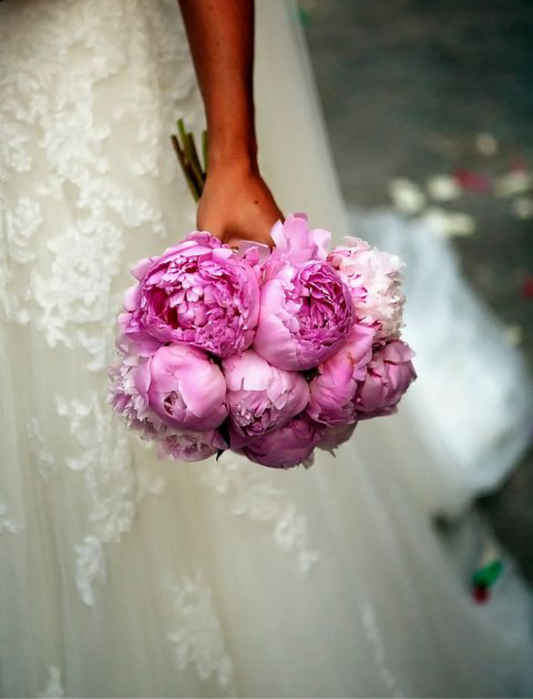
x=268, y=353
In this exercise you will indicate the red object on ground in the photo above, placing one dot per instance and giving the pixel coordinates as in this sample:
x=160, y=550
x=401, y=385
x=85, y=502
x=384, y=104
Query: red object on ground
x=481, y=594
x=472, y=181
x=527, y=287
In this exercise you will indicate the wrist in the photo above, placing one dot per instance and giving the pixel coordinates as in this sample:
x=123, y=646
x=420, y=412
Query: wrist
x=231, y=139
x=237, y=161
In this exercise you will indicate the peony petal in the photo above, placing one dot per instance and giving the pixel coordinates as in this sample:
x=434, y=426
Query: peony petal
x=322, y=240
x=131, y=298
x=143, y=379
x=273, y=340
x=140, y=268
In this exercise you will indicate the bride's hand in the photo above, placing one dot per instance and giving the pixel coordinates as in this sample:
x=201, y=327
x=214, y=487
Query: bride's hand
x=236, y=205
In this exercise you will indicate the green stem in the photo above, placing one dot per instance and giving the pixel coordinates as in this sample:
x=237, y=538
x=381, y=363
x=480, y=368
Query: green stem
x=188, y=174
x=194, y=160
x=189, y=150
x=189, y=159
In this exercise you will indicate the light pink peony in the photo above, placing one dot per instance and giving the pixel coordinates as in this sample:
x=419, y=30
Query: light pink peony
x=289, y=446
x=389, y=374
x=186, y=445
x=374, y=279
x=127, y=401
x=333, y=390
x=260, y=397
x=198, y=292
x=184, y=387
x=306, y=310
x=123, y=395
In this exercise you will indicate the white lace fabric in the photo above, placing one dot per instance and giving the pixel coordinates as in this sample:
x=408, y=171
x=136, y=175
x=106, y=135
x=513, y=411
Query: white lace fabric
x=84, y=173
x=124, y=576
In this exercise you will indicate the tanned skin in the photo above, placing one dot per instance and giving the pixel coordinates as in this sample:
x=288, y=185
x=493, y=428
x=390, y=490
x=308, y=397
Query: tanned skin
x=236, y=203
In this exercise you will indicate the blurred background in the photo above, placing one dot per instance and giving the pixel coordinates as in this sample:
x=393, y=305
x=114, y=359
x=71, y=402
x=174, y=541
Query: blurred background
x=429, y=110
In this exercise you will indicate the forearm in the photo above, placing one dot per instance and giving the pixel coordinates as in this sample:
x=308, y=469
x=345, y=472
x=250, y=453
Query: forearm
x=221, y=37
x=236, y=204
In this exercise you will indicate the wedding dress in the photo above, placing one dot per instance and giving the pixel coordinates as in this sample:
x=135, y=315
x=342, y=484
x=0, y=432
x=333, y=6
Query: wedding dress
x=474, y=393
x=125, y=576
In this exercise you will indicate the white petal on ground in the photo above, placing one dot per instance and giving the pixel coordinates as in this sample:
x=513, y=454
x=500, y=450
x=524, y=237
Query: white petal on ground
x=451, y=223
x=522, y=207
x=514, y=182
x=443, y=188
x=406, y=196
x=486, y=144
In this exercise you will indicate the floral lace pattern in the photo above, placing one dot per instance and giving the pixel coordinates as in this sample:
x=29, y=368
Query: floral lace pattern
x=71, y=291
x=198, y=638
x=17, y=228
x=90, y=567
x=92, y=179
x=373, y=634
x=8, y=525
x=250, y=494
x=148, y=484
x=44, y=461
x=54, y=688
x=114, y=488
x=104, y=460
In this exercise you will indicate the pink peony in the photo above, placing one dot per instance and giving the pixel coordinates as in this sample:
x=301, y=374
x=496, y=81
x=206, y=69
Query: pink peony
x=124, y=397
x=261, y=397
x=335, y=436
x=296, y=243
x=198, y=292
x=389, y=374
x=254, y=254
x=374, y=279
x=306, y=310
x=184, y=387
x=186, y=445
x=333, y=390
x=268, y=316
x=289, y=446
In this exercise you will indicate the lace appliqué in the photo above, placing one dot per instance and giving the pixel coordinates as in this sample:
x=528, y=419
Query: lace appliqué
x=149, y=484
x=44, y=461
x=17, y=229
x=8, y=525
x=251, y=495
x=373, y=635
x=198, y=637
x=86, y=257
x=54, y=687
x=104, y=459
x=113, y=486
x=90, y=567
x=79, y=156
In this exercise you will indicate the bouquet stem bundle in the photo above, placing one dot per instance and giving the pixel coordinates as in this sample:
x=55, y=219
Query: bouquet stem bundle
x=194, y=171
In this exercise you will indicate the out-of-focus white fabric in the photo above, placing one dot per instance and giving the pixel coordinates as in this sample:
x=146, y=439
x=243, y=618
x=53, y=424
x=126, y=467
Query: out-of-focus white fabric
x=124, y=576
x=474, y=395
